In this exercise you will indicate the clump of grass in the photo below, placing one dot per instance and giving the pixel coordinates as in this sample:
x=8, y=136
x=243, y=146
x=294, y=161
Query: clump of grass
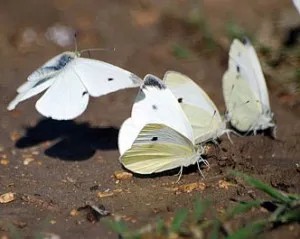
x=180, y=51
x=234, y=30
x=284, y=208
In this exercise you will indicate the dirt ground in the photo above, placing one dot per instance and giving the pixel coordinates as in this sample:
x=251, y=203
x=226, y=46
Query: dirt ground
x=75, y=160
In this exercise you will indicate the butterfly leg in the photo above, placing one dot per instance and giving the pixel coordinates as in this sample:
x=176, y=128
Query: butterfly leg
x=179, y=174
x=198, y=164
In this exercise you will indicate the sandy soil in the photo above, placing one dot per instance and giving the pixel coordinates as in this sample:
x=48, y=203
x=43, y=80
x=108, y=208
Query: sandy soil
x=75, y=160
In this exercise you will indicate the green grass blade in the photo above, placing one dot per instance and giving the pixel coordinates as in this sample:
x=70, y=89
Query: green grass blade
x=179, y=218
x=160, y=225
x=14, y=231
x=241, y=208
x=216, y=230
x=263, y=187
x=248, y=231
x=200, y=208
x=180, y=51
x=117, y=226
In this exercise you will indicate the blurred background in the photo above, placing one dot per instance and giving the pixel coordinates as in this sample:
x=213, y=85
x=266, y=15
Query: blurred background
x=189, y=36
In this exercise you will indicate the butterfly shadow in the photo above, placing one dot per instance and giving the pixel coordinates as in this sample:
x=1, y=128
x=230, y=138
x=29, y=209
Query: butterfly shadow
x=73, y=141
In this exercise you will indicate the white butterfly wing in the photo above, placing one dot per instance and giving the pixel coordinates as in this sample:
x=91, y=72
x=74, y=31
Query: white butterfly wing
x=34, y=89
x=297, y=4
x=127, y=134
x=155, y=103
x=66, y=99
x=244, y=58
x=101, y=78
x=159, y=148
x=198, y=107
x=50, y=68
x=243, y=107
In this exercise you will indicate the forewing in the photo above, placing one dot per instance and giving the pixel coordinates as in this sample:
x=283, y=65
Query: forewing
x=158, y=148
x=47, y=70
x=243, y=108
x=66, y=99
x=127, y=134
x=101, y=78
x=244, y=59
x=155, y=103
x=196, y=104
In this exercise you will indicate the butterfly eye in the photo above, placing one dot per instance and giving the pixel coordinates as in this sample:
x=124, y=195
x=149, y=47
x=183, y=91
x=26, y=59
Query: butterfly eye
x=180, y=100
x=154, y=139
x=84, y=93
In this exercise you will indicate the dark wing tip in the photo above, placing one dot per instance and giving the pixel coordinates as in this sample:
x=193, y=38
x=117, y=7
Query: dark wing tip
x=135, y=79
x=153, y=81
x=246, y=41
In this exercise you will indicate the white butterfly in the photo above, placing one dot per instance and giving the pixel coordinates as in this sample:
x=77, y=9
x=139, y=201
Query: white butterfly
x=297, y=4
x=70, y=80
x=158, y=136
x=202, y=113
x=245, y=91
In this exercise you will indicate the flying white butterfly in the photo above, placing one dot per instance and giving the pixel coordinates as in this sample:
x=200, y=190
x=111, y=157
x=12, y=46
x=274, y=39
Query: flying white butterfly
x=158, y=136
x=70, y=80
x=297, y=4
x=202, y=113
x=245, y=91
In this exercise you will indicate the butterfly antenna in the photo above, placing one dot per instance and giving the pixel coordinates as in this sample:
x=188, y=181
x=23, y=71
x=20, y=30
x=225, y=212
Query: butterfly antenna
x=97, y=49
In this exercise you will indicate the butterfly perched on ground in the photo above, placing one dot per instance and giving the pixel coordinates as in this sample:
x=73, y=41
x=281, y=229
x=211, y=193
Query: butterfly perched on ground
x=200, y=110
x=69, y=80
x=158, y=136
x=245, y=90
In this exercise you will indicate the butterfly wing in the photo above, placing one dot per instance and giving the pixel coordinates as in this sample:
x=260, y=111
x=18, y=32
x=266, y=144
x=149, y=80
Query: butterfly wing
x=244, y=58
x=155, y=103
x=101, y=78
x=127, y=134
x=66, y=99
x=198, y=107
x=297, y=4
x=243, y=107
x=159, y=148
x=34, y=89
x=51, y=67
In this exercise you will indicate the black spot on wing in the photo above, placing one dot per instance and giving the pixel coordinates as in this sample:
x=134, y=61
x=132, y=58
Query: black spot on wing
x=180, y=100
x=238, y=68
x=154, y=107
x=110, y=79
x=154, y=139
x=152, y=81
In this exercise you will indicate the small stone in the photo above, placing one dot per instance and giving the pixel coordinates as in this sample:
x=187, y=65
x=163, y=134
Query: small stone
x=28, y=161
x=122, y=175
x=4, y=161
x=7, y=197
x=224, y=184
x=14, y=136
x=187, y=188
x=105, y=194
x=74, y=212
